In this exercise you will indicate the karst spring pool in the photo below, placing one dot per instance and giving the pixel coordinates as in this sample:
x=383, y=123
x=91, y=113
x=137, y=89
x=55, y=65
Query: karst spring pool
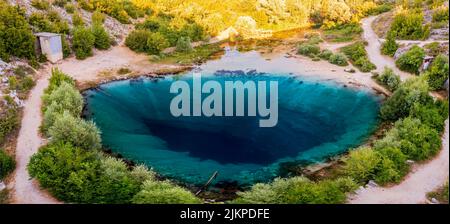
x=316, y=120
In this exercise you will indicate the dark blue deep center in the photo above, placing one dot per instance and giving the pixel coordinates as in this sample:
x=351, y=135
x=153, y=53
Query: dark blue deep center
x=315, y=121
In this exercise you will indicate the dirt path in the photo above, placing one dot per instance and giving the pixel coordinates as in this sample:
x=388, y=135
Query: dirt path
x=28, y=142
x=373, y=49
x=422, y=179
x=26, y=190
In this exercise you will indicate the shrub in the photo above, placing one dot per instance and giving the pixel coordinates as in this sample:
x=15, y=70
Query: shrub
x=184, y=45
x=362, y=164
x=400, y=103
x=16, y=37
x=418, y=141
x=308, y=49
x=83, y=42
x=65, y=47
x=74, y=130
x=137, y=40
x=164, y=192
x=7, y=164
x=410, y=26
x=60, y=3
x=77, y=20
x=338, y=59
x=67, y=96
x=390, y=46
x=365, y=65
x=156, y=43
x=116, y=184
x=438, y=72
x=389, y=79
x=432, y=114
x=358, y=56
x=9, y=121
x=440, y=14
x=70, y=8
x=325, y=54
x=298, y=190
x=69, y=173
x=411, y=60
x=40, y=4
x=98, y=17
x=58, y=78
x=102, y=39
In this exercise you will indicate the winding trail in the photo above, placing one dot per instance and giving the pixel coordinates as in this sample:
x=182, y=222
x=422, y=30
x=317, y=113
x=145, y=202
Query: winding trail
x=373, y=49
x=27, y=191
x=424, y=177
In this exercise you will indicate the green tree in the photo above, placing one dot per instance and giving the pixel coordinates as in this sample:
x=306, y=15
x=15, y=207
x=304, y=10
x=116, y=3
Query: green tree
x=102, y=39
x=438, y=72
x=74, y=130
x=67, y=97
x=399, y=105
x=137, y=40
x=77, y=20
x=16, y=37
x=389, y=79
x=390, y=46
x=184, y=45
x=83, y=42
x=7, y=164
x=68, y=172
x=411, y=60
x=163, y=192
x=156, y=43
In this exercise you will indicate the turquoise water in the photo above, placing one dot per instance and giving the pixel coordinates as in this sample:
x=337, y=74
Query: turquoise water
x=316, y=120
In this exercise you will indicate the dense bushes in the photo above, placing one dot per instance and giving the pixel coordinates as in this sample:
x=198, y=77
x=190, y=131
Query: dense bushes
x=156, y=43
x=389, y=79
x=146, y=41
x=122, y=10
x=102, y=40
x=73, y=169
x=411, y=60
x=298, y=190
x=40, y=4
x=16, y=38
x=437, y=74
x=409, y=26
x=184, y=45
x=83, y=42
x=49, y=22
x=358, y=56
x=7, y=164
x=338, y=59
x=412, y=91
x=157, y=33
x=75, y=130
x=390, y=46
x=163, y=192
x=308, y=49
x=9, y=121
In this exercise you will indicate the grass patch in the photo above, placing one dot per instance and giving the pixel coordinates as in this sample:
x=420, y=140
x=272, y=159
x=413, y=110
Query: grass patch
x=440, y=194
x=358, y=56
x=197, y=55
x=343, y=33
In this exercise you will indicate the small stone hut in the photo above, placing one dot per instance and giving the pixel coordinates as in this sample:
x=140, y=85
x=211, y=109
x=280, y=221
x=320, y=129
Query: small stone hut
x=50, y=45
